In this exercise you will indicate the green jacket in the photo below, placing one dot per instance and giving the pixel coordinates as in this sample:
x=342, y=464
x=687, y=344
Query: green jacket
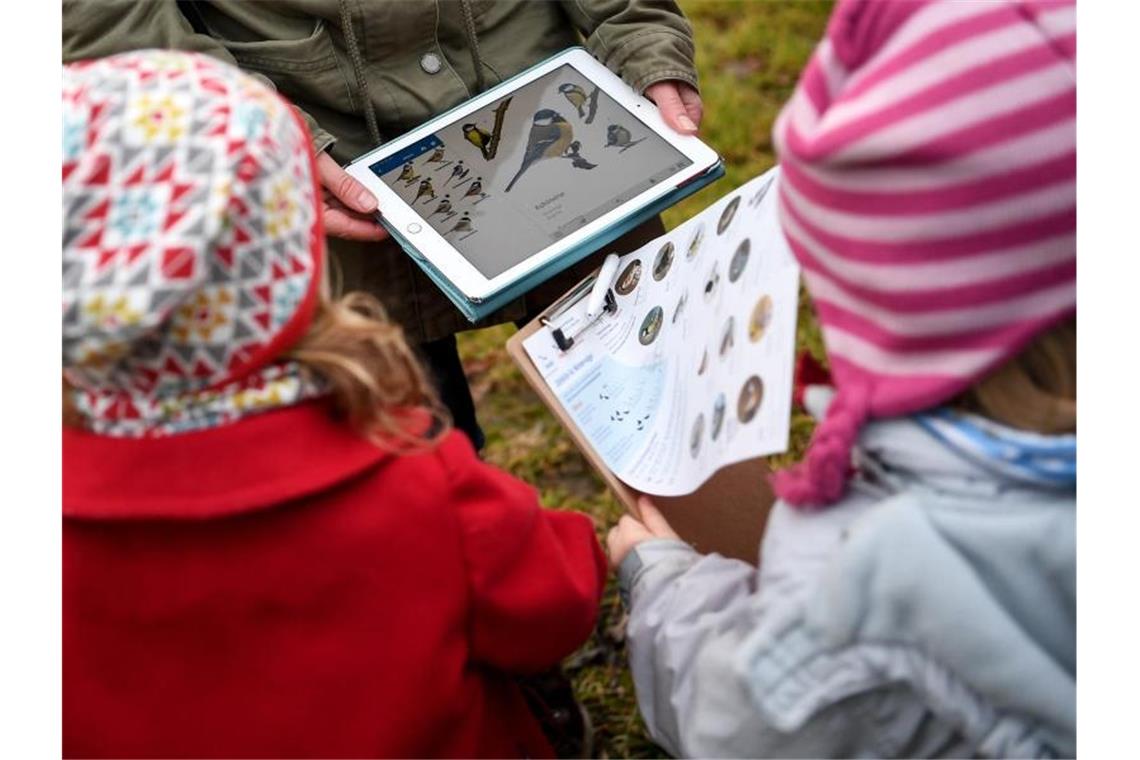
x=363, y=72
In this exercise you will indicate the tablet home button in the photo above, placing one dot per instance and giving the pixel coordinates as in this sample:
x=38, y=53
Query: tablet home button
x=414, y=228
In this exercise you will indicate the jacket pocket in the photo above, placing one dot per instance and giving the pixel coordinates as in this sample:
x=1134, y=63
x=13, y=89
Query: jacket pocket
x=305, y=70
x=312, y=53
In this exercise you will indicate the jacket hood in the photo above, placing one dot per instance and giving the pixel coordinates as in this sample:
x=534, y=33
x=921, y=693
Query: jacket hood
x=958, y=453
x=958, y=580
x=192, y=245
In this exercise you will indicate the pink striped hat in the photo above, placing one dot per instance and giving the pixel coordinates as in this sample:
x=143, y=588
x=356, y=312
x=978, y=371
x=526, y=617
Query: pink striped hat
x=929, y=192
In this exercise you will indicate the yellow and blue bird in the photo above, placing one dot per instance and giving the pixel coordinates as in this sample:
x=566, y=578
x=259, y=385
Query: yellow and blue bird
x=478, y=137
x=586, y=105
x=487, y=142
x=550, y=136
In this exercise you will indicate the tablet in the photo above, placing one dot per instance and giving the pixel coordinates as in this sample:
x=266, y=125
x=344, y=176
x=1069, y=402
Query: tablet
x=531, y=172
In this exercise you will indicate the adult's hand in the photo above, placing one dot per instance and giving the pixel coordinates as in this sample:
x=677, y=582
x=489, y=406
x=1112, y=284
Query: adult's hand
x=679, y=103
x=629, y=532
x=349, y=207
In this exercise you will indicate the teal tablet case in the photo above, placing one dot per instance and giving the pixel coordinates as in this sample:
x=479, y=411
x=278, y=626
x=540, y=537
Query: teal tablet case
x=476, y=310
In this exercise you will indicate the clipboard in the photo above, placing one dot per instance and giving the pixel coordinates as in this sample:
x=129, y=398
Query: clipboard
x=726, y=515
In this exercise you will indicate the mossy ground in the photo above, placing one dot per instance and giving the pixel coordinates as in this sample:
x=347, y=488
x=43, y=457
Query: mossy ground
x=749, y=55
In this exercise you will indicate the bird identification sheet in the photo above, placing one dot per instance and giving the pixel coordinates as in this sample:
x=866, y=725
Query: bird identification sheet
x=529, y=169
x=693, y=370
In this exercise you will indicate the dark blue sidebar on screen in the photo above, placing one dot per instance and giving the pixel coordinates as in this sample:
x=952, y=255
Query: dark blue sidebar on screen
x=383, y=166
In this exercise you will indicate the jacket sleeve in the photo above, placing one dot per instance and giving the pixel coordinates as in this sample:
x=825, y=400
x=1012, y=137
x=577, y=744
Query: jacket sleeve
x=641, y=40
x=690, y=615
x=692, y=621
x=535, y=576
x=681, y=604
x=108, y=27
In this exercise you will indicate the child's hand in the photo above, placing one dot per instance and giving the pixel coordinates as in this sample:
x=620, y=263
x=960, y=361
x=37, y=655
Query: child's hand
x=629, y=532
x=679, y=103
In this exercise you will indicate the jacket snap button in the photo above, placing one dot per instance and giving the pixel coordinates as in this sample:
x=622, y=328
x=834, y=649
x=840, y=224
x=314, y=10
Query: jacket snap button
x=431, y=63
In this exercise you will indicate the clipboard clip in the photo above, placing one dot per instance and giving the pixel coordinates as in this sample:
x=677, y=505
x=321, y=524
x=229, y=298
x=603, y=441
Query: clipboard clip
x=597, y=288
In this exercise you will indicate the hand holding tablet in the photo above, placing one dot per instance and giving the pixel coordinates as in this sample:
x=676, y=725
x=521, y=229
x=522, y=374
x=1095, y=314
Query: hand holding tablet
x=349, y=207
x=515, y=185
x=680, y=105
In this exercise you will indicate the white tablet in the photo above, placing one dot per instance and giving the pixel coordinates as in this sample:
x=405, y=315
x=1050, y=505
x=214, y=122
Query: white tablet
x=502, y=186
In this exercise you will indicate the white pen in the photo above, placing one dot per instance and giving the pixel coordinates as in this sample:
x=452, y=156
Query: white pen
x=601, y=285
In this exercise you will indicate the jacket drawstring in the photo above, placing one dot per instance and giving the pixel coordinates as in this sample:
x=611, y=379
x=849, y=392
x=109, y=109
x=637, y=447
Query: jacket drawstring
x=358, y=61
x=358, y=71
x=473, y=45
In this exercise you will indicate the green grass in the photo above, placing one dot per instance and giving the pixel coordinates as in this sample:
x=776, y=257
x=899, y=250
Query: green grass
x=749, y=55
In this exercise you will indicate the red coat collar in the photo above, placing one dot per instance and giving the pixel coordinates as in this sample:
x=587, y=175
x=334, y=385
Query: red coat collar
x=255, y=463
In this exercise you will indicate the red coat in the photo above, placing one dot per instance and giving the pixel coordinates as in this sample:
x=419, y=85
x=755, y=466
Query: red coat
x=279, y=587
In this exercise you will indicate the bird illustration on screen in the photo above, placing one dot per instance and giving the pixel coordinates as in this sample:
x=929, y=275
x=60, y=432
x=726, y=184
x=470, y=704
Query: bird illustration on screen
x=550, y=136
x=577, y=160
x=408, y=174
x=478, y=137
x=444, y=206
x=463, y=225
x=586, y=105
x=576, y=95
x=459, y=171
x=617, y=135
x=425, y=191
x=488, y=142
x=437, y=157
x=476, y=187
x=466, y=178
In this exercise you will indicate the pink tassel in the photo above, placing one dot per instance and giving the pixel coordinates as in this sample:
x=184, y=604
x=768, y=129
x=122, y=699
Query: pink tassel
x=821, y=478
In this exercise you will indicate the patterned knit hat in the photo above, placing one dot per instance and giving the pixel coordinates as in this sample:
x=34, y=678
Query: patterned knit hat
x=928, y=190
x=192, y=243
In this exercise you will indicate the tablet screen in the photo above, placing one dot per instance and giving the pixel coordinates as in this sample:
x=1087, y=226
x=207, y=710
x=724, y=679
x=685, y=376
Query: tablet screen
x=505, y=182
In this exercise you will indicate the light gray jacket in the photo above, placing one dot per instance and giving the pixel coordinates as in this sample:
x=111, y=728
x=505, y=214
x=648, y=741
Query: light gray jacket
x=930, y=613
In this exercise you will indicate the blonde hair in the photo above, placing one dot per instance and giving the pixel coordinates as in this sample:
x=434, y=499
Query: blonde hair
x=1037, y=389
x=375, y=379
